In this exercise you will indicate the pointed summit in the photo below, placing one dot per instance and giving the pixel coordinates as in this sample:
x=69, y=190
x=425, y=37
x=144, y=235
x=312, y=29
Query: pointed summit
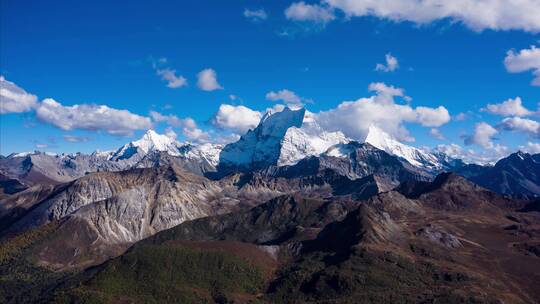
x=281, y=138
x=150, y=141
x=416, y=157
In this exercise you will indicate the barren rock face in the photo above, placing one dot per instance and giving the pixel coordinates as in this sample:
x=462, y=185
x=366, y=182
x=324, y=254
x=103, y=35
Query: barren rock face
x=127, y=206
x=439, y=236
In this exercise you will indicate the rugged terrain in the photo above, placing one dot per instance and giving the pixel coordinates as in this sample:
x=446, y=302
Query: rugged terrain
x=287, y=214
x=445, y=241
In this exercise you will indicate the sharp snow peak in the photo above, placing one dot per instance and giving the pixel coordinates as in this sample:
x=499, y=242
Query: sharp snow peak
x=416, y=157
x=281, y=138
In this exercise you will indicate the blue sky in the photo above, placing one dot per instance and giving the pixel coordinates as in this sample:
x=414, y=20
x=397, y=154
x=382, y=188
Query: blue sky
x=105, y=53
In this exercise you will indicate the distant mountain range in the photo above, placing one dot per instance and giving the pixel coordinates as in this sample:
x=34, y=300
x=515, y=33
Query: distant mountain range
x=282, y=139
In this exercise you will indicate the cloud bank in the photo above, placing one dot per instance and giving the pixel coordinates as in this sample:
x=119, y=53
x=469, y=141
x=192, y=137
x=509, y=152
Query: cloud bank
x=476, y=15
x=91, y=117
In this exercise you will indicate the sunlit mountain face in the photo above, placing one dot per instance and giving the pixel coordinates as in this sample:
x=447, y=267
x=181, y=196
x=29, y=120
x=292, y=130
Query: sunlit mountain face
x=285, y=152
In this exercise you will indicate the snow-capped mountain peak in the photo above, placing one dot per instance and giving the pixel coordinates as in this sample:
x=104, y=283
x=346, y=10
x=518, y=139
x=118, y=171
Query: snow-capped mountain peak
x=150, y=141
x=281, y=138
x=416, y=157
x=208, y=152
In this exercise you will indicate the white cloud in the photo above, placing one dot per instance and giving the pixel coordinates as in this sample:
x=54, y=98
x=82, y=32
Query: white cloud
x=460, y=116
x=485, y=156
x=531, y=147
x=436, y=134
x=74, y=139
x=173, y=81
x=13, y=99
x=452, y=150
x=171, y=120
x=42, y=146
x=482, y=136
x=525, y=60
x=477, y=15
x=91, y=117
x=191, y=131
x=255, y=15
x=169, y=132
x=354, y=118
x=226, y=139
x=510, y=107
x=300, y=11
x=386, y=90
x=288, y=97
x=391, y=65
x=207, y=80
x=188, y=126
x=432, y=117
x=521, y=124
x=238, y=119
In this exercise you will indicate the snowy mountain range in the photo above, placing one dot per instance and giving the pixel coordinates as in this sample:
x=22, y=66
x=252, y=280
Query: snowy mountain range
x=282, y=138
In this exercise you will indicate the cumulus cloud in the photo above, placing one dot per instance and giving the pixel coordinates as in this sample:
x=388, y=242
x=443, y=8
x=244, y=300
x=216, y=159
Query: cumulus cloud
x=525, y=60
x=300, y=11
x=391, y=65
x=531, y=147
x=288, y=97
x=510, y=107
x=477, y=15
x=452, y=150
x=191, y=131
x=207, y=80
x=482, y=136
x=170, y=119
x=485, y=156
x=75, y=139
x=255, y=15
x=173, y=81
x=13, y=99
x=188, y=126
x=529, y=126
x=238, y=119
x=228, y=138
x=383, y=89
x=169, y=132
x=91, y=117
x=460, y=116
x=436, y=134
x=432, y=117
x=354, y=118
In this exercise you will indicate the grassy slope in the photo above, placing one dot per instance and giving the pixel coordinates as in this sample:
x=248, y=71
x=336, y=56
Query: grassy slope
x=366, y=276
x=21, y=281
x=171, y=273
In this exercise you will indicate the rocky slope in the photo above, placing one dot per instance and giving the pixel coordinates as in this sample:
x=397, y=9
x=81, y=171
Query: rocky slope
x=389, y=248
x=102, y=213
x=516, y=175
